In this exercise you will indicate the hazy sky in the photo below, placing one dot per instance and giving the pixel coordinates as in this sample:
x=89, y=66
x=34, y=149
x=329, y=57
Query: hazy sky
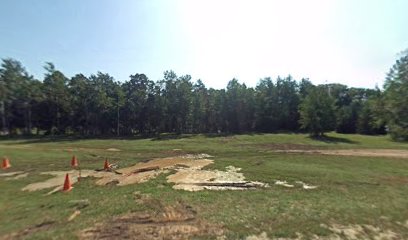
x=353, y=42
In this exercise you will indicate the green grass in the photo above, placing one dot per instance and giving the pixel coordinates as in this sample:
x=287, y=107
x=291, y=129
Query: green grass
x=352, y=190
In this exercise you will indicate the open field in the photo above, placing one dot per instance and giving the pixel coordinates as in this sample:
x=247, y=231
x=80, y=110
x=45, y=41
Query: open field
x=358, y=196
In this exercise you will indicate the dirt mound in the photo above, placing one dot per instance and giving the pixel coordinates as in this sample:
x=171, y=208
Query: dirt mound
x=169, y=222
x=189, y=175
x=352, y=152
x=145, y=171
x=193, y=179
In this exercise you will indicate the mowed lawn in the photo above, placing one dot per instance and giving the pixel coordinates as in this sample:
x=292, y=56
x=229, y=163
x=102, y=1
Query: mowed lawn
x=351, y=190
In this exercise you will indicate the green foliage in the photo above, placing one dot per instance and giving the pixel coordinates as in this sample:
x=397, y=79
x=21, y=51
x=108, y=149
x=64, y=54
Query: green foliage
x=396, y=99
x=277, y=104
x=369, y=119
x=317, y=112
x=99, y=105
x=18, y=91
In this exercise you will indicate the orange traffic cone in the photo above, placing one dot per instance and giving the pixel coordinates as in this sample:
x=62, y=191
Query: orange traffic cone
x=67, y=184
x=6, y=163
x=106, y=166
x=74, y=162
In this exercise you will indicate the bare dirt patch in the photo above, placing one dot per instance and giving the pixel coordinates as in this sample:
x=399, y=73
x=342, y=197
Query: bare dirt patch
x=10, y=174
x=59, y=176
x=113, y=150
x=350, y=232
x=196, y=179
x=296, y=183
x=284, y=183
x=356, y=232
x=189, y=175
x=395, y=180
x=227, y=139
x=351, y=152
x=14, y=175
x=168, y=222
x=44, y=226
x=287, y=146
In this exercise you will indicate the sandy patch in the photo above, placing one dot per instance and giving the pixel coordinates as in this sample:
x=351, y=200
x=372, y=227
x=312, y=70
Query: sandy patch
x=262, y=236
x=167, y=222
x=113, y=150
x=14, y=175
x=189, y=175
x=10, y=174
x=297, y=183
x=284, y=183
x=196, y=156
x=73, y=215
x=306, y=186
x=352, y=152
x=196, y=179
x=59, y=177
x=356, y=232
x=350, y=232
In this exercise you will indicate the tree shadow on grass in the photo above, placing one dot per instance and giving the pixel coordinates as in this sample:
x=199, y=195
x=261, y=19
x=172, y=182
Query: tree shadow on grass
x=333, y=140
x=170, y=136
x=37, y=139
x=48, y=139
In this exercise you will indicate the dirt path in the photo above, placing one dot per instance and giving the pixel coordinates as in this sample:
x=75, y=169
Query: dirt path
x=352, y=152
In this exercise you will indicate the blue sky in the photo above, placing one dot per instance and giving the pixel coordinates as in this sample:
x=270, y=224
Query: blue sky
x=353, y=42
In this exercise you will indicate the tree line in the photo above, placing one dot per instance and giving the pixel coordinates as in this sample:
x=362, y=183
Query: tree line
x=98, y=105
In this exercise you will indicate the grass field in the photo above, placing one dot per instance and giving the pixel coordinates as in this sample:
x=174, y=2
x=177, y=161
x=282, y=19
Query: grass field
x=353, y=191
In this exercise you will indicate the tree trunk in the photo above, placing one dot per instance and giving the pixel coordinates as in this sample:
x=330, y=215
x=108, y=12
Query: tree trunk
x=27, y=119
x=117, y=127
x=3, y=117
x=58, y=120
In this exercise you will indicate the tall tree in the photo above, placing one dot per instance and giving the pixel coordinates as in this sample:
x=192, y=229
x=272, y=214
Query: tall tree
x=200, y=113
x=136, y=94
x=178, y=96
x=80, y=91
x=57, y=98
x=14, y=94
x=396, y=99
x=287, y=103
x=317, y=112
x=103, y=104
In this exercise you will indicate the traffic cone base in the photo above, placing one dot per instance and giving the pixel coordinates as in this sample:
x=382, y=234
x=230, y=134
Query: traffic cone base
x=106, y=166
x=74, y=161
x=67, y=184
x=6, y=163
